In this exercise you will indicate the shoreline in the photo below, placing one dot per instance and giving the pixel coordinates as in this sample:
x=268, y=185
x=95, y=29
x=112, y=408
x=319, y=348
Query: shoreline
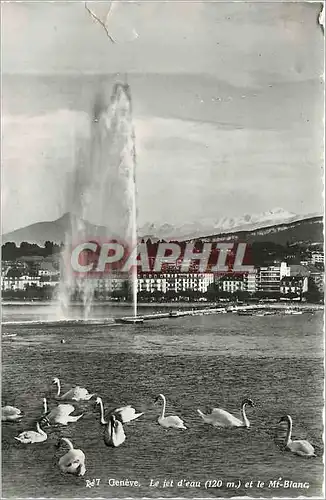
x=180, y=305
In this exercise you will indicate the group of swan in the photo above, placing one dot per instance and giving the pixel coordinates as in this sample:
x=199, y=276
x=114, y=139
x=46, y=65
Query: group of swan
x=114, y=435
x=73, y=462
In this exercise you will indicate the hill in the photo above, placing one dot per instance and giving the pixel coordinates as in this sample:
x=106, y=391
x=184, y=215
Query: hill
x=305, y=232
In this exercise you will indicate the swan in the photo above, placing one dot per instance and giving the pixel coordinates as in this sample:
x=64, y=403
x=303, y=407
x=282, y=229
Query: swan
x=60, y=414
x=75, y=393
x=73, y=462
x=222, y=418
x=171, y=420
x=125, y=413
x=114, y=435
x=299, y=447
x=29, y=437
x=10, y=414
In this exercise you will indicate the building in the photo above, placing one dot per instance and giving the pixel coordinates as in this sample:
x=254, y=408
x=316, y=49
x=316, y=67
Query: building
x=269, y=277
x=317, y=257
x=174, y=282
x=251, y=281
x=152, y=282
x=105, y=286
x=311, y=272
x=294, y=285
x=231, y=283
x=47, y=272
x=12, y=284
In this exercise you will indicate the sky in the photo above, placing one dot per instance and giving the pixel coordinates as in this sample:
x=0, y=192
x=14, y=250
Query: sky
x=227, y=105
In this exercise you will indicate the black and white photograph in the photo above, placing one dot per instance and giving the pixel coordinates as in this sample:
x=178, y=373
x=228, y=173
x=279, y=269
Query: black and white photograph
x=162, y=249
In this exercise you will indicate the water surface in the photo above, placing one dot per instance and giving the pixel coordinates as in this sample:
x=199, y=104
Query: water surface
x=197, y=362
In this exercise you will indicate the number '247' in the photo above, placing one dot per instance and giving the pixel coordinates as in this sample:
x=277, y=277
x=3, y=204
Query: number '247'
x=90, y=483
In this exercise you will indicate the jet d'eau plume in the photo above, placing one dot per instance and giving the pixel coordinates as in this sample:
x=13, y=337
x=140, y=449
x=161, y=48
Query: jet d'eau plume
x=103, y=185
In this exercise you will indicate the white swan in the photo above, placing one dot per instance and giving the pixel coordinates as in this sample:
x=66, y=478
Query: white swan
x=171, y=420
x=222, y=418
x=10, y=414
x=75, y=393
x=60, y=414
x=114, y=435
x=125, y=413
x=29, y=437
x=73, y=462
x=299, y=447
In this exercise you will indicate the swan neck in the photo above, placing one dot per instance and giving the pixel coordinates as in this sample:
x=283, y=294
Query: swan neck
x=164, y=405
x=58, y=387
x=289, y=432
x=244, y=416
x=69, y=443
x=102, y=412
x=45, y=406
x=39, y=430
x=113, y=429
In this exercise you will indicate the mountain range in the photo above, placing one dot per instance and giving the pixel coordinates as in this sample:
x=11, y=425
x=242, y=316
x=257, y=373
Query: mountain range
x=275, y=225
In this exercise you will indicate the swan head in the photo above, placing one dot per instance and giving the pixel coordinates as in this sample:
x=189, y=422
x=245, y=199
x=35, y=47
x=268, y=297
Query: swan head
x=285, y=418
x=248, y=402
x=45, y=421
x=115, y=421
x=160, y=396
x=73, y=466
x=56, y=381
x=98, y=401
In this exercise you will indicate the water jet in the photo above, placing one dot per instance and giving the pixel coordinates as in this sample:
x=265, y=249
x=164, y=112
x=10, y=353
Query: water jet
x=102, y=195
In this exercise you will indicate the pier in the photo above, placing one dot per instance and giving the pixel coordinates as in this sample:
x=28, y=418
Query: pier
x=241, y=310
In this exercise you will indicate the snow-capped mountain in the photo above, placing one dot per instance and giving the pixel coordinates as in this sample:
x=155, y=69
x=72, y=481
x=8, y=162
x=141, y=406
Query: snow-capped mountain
x=245, y=222
x=270, y=221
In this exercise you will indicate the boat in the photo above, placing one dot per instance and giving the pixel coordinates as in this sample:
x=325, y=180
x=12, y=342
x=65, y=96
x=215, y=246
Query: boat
x=131, y=321
x=177, y=314
x=289, y=311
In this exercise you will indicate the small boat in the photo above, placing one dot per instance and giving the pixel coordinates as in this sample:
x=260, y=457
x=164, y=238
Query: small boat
x=175, y=314
x=289, y=311
x=129, y=320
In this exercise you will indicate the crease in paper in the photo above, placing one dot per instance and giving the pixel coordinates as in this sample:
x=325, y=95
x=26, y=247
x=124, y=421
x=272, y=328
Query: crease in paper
x=321, y=17
x=116, y=19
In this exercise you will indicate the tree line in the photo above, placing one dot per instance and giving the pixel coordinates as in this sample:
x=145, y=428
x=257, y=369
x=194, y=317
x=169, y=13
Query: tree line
x=260, y=253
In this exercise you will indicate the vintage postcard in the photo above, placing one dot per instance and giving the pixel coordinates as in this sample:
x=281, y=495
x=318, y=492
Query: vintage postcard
x=162, y=265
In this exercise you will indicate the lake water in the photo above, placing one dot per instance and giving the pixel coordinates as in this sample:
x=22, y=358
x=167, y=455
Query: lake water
x=197, y=362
